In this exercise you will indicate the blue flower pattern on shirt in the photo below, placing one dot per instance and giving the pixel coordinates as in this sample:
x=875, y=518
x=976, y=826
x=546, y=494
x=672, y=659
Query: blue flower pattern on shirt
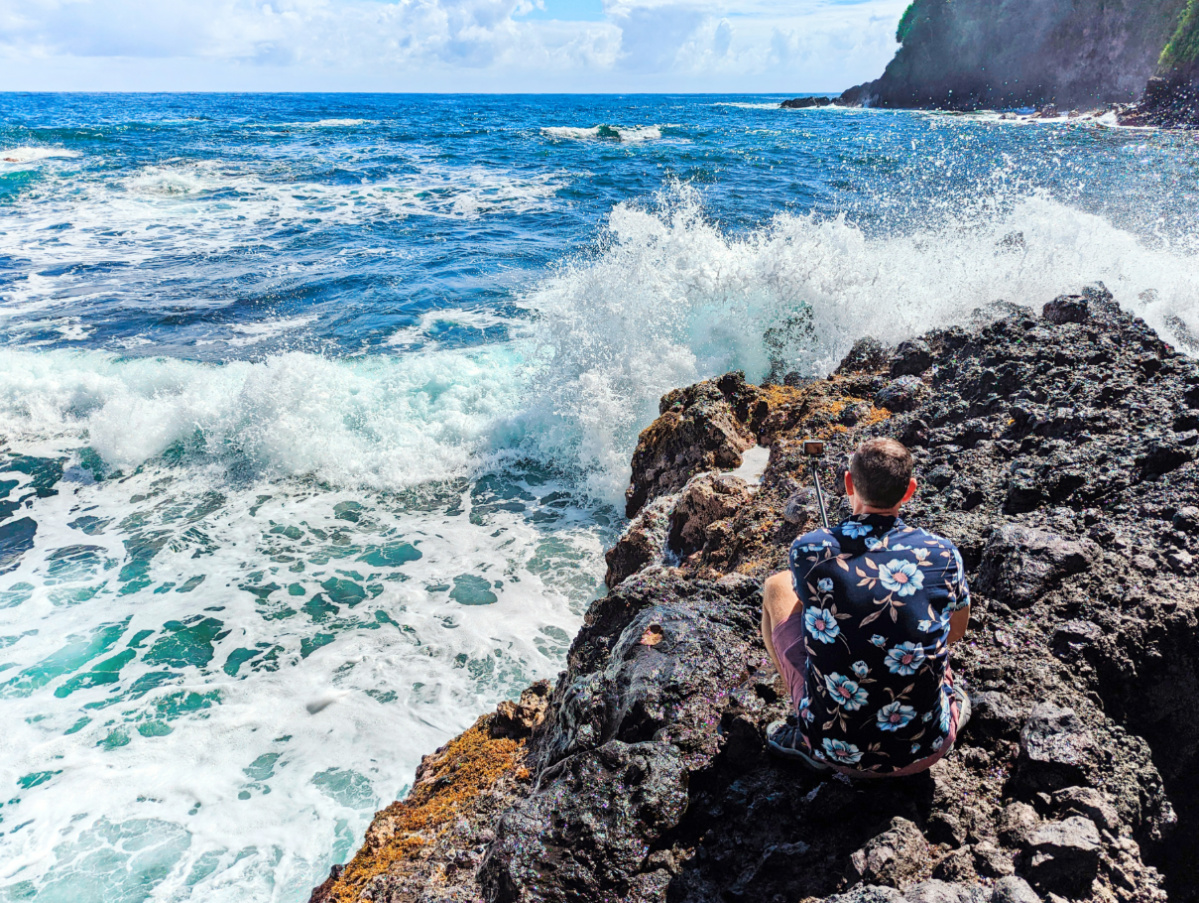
x=822, y=624
x=906, y=658
x=877, y=600
x=840, y=752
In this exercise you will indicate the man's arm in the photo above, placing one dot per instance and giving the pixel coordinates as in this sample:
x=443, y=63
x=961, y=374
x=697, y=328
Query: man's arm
x=959, y=619
x=958, y=622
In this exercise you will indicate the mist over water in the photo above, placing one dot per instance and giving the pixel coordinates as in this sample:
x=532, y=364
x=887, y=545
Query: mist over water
x=318, y=411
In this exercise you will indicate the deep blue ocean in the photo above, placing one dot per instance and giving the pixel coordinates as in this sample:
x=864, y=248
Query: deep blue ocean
x=316, y=410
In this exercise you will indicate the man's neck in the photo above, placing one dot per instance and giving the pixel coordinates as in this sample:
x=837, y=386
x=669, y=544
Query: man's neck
x=859, y=508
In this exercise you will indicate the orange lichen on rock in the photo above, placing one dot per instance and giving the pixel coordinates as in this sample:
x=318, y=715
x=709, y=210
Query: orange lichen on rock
x=448, y=782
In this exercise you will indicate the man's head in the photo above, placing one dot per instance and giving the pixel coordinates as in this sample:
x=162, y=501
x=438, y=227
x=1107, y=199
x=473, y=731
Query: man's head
x=880, y=476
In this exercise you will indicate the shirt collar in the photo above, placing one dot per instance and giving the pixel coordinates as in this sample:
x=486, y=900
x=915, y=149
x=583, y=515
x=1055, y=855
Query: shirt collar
x=882, y=522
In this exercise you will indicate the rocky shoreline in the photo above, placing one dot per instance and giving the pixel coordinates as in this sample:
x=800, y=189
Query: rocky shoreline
x=1138, y=60
x=1058, y=450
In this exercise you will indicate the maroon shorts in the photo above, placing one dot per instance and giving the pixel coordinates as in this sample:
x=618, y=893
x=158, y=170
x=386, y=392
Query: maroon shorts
x=793, y=659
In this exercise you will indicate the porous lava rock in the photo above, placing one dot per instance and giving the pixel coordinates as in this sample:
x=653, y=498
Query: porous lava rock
x=1040, y=453
x=705, y=499
x=698, y=431
x=804, y=103
x=1020, y=563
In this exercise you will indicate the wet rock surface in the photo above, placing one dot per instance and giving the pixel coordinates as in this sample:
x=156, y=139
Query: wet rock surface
x=1054, y=451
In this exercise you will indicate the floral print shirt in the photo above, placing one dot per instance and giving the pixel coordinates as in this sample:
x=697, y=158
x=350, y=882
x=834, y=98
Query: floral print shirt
x=877, y=597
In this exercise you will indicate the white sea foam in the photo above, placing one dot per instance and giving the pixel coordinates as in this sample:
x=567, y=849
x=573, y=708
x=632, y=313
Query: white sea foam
x=1090, y=118
x=19, y=155
x=748, y=106
x=197, y=775
x=264, y=330
x=424, y=333
x=381, y=422
x=624, y=134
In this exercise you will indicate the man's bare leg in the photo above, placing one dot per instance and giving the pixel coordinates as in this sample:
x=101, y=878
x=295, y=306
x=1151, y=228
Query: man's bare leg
x=779, y=602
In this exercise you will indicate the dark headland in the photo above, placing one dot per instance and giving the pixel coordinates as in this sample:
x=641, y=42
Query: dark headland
x=1058, y=448
x=1137, y=58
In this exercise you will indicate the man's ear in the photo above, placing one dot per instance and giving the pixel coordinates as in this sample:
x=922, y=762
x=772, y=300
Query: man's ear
x=911, y=491
x=848, y=483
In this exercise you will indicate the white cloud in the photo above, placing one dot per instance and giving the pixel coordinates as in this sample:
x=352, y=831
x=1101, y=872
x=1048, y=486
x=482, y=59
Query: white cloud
x=481, y=45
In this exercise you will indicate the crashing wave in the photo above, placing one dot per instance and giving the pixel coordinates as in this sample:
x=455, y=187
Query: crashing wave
x=624, y=134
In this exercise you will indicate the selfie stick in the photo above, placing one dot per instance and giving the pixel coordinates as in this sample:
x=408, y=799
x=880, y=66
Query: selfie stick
x=819, y=495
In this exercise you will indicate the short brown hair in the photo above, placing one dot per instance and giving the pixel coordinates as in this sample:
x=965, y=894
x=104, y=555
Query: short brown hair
x=881, y=471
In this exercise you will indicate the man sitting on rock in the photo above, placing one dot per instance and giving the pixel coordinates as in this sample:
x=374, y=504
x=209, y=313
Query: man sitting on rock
x=860, y=629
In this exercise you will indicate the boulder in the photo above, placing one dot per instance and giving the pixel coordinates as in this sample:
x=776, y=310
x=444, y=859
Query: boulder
x=516, y=720
x=868, y=354
x=698, y=431
x=893, y=858
x=1063, y=856
x=1056, y=751
x=1015, y=822
x=705, y=499
x=1020, y=564
x=911, y=358
x=902, y=394
x=1067, y=309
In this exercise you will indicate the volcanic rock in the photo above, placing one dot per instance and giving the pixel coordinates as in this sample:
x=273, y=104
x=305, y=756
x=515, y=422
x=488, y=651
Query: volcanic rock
x=867, y=354
x=892, y=858
x=705, y=499
x=1055, y=750
x=1013, y=890
x=803, y=103
x=642, y=543
x=911, y=358
x=699, y=430
x=1067, y=309
x=648, y=780
x=1063, y=856
x=1020, y=563
x=901, y=394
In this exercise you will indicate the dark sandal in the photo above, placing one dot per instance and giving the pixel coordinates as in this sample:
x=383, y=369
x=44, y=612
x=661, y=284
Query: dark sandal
x=784, y=741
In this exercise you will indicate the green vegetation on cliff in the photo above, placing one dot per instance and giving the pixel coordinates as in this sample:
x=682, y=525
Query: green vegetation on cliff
x=1182, y=52
x=905, y=22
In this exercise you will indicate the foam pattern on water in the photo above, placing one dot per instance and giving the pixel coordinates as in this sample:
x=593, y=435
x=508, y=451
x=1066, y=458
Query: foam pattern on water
x=211, y=686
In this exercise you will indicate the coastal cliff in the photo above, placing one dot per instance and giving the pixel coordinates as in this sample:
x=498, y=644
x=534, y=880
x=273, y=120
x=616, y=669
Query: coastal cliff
x=1058, y=449
x=974, y=54
x=1172, y=97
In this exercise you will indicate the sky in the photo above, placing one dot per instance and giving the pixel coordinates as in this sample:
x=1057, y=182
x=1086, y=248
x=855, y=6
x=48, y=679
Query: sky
x=491, y=46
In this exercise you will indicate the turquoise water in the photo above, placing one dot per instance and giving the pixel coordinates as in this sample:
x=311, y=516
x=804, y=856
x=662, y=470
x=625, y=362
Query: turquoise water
x=317, y=410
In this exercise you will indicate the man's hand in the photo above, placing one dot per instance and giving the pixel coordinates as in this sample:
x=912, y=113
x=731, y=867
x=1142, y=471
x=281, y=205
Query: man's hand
x=958, y=622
